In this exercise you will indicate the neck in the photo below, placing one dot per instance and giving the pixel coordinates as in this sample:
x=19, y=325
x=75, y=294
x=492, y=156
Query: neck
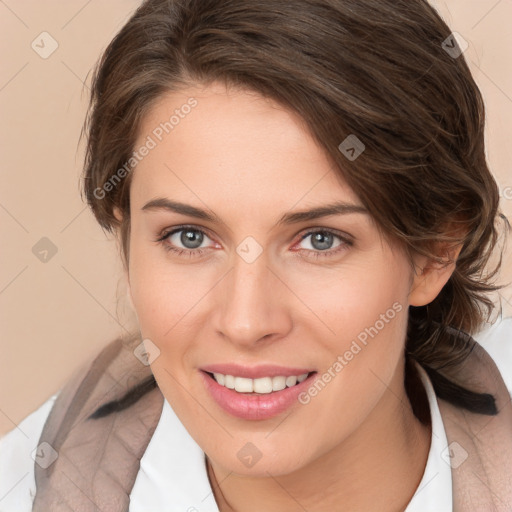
x=382, y=462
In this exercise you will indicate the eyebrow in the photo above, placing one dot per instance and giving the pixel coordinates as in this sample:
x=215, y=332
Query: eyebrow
x=337, y=208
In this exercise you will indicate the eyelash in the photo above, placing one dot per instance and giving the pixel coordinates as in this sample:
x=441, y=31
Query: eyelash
x=346, y=242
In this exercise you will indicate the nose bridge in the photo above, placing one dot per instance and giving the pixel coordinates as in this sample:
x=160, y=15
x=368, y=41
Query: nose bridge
x=251, y=309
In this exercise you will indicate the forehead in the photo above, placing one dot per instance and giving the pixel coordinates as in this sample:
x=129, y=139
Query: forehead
x=229, y=144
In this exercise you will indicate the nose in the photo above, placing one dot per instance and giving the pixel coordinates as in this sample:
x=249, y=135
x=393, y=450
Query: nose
x=251, y=304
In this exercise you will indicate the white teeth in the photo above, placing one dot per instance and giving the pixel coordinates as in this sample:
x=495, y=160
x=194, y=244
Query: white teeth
x=243, y=385
x=263, y=385
x=291, y=381
x=278, y=383
x=229, y=381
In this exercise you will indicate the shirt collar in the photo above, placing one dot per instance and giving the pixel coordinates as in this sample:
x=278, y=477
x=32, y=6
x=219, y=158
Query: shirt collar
x=435, y=489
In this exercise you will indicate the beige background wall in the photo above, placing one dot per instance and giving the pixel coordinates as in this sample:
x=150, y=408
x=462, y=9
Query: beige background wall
x=57, y=312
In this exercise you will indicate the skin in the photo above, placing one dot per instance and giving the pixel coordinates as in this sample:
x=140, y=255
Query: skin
x=249, y=161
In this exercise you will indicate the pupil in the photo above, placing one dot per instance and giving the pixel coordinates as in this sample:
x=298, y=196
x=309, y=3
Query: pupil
x=321, y=240
x=191, y=239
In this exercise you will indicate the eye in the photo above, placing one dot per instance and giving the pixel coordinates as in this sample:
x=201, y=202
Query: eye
x=191, y=241
x=324, y=243
x=185, y=240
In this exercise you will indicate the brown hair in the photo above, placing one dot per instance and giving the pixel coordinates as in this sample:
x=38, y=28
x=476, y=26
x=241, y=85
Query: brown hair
x=376, y=69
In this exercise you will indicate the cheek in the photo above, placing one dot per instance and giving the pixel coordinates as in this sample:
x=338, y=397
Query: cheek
x=162, y=294
x=352, y=298
x=373, y=321
x=365, y=310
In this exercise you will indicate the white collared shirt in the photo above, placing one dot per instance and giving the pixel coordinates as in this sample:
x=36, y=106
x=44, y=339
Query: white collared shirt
x=173, y=476
x=434, y=493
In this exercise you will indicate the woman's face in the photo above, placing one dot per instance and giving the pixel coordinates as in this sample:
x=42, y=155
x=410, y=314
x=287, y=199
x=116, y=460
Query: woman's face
x=253, y=288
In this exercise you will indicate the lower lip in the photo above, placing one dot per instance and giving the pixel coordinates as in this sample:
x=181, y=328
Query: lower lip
x=255, y=407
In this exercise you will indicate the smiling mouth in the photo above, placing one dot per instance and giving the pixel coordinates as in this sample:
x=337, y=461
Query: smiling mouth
x=260, y=386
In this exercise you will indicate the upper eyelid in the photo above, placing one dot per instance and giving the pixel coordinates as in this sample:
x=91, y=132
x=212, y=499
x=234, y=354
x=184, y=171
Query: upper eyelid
x=335, y=232
x=176, y=229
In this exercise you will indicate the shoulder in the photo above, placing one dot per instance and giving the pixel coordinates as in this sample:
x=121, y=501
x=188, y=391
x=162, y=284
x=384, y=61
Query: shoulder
x=18, y=447
x=17, y=483
x=496, y=339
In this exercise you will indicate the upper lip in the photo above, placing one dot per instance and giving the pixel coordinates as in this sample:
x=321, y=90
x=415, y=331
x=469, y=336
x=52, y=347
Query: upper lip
x=255, y=372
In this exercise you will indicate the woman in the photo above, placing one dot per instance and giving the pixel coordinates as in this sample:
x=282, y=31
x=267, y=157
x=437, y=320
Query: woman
x=304, y=209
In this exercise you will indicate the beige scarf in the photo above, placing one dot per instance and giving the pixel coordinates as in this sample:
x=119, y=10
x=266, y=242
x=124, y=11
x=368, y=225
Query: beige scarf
x=98, y=459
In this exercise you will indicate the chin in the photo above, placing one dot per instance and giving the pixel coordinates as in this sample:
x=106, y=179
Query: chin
x=259, y=459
